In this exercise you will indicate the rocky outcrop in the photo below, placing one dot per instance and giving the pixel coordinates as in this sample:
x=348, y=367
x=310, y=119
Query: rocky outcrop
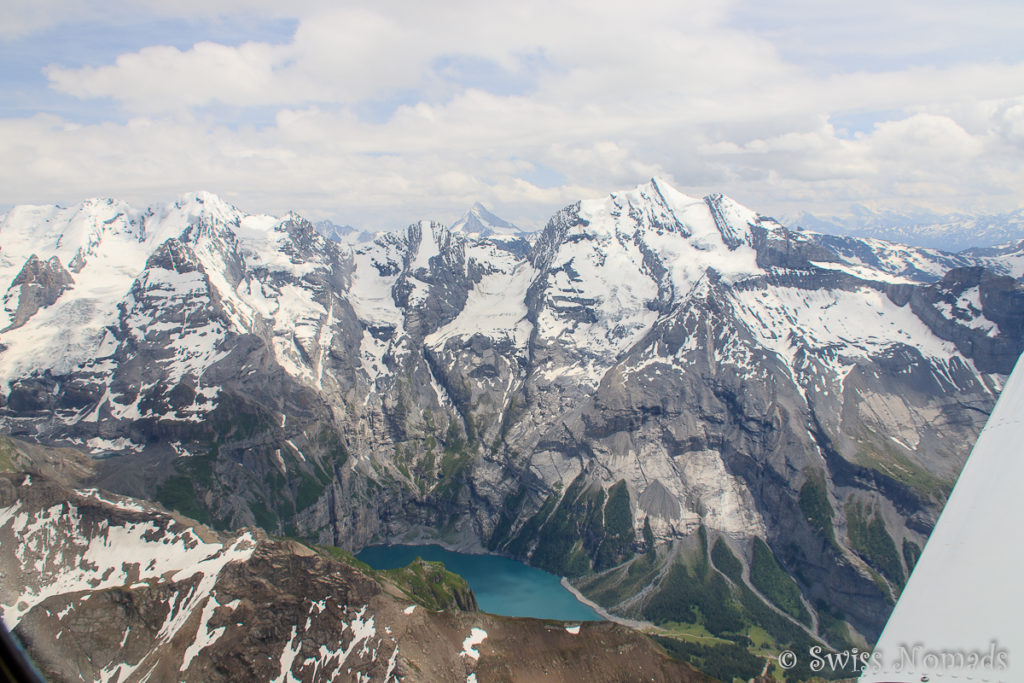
x=786, y=249
x=38, y=284
x=982, y=313
x=179, y=601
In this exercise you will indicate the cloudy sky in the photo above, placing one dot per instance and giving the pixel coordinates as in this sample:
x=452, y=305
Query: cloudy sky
x=380, y=114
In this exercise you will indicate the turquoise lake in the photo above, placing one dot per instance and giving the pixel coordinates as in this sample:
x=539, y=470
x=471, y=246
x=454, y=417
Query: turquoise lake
x=501, y=585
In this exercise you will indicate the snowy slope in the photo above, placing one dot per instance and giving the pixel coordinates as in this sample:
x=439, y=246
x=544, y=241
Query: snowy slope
x=871, y=258
x=105, y=245
x=690, y=350
x=104, y=588
x=190, y=601
x=1006, y=259
x=965, y=595
x=479, y=222
x=173, y=284
x=630, y=252
x=625, y=259
x=50, y=537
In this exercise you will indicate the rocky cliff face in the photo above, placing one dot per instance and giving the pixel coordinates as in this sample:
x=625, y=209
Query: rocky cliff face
x=648, y=368
x=102, y=587
x=39, y=284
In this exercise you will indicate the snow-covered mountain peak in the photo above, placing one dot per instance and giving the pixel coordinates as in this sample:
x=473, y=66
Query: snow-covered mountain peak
x=480, y=222
x=687, y=234
x=204, y=210
x=711, y=222
x=76, y=233
x=643, y=207
x=204, y=200
x=64, y=231
x=613, y=264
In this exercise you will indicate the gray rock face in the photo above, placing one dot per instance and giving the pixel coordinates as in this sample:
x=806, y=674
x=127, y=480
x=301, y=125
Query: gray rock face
x=38, y=284
x=650, y=363
x=966, y=306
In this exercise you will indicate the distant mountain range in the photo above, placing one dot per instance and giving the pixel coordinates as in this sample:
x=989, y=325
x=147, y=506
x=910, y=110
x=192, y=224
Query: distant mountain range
x=949, y=232
x=478, y=222
x=697, y=414
x=335, y=232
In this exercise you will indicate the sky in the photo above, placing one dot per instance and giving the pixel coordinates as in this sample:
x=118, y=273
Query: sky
x=380, y=114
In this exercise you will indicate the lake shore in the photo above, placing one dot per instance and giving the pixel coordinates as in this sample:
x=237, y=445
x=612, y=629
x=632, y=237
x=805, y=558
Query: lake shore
x=605, y=614
x=501, y=585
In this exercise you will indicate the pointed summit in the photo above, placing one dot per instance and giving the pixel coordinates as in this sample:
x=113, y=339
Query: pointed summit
x=479, y=222
x=335, y=232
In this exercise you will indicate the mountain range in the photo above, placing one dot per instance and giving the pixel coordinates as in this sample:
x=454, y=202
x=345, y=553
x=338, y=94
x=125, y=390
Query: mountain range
x=697, y=414
x=949, y=232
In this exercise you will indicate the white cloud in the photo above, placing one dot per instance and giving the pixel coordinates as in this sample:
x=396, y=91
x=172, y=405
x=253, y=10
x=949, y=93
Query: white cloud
x=927, y=139
x=924, y=158
x=605, y=95
x=1008, y=124
x=162, y=78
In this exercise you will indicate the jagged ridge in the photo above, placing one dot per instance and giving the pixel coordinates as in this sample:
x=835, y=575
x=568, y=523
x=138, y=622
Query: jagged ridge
x=697, y=359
